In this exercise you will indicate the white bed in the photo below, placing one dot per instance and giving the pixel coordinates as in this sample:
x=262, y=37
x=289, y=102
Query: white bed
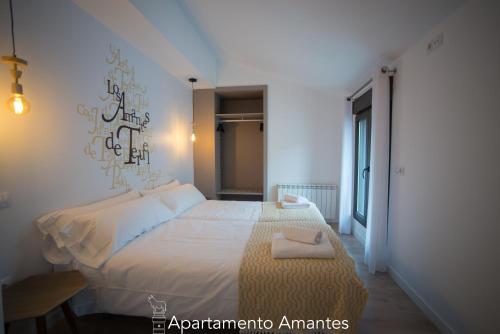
x=192, y=262
x=199, y=256
x=224, y=210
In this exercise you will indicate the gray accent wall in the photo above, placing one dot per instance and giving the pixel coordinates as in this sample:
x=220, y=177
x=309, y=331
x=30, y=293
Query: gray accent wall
x=204, y=147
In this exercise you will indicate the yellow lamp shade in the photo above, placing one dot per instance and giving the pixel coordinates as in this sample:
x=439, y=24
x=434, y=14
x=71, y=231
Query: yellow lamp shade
x=18, y=104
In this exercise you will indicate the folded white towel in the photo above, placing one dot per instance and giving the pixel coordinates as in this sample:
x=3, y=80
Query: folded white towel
x=305, y=235
x=288, y=205
x=295, y=199
x=283, y=248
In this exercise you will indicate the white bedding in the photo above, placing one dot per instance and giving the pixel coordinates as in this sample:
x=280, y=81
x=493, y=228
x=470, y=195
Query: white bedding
x=193, y=264
x=225, y=210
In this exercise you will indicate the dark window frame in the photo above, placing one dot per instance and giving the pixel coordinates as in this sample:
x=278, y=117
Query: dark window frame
x=362, y=110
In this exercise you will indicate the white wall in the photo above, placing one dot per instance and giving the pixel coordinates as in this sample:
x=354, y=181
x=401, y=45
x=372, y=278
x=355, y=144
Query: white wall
x=304, y=127
x=43, y=164
x=444, y=218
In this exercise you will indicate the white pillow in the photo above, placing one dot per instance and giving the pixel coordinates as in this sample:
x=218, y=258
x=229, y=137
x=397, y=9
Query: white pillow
x=92, y=238
x=181, y=198
x=52, y=223
x=165, y=187
x=54, y=254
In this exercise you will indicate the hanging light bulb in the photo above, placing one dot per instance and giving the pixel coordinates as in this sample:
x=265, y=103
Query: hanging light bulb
x=193, y=134
x=17, y=103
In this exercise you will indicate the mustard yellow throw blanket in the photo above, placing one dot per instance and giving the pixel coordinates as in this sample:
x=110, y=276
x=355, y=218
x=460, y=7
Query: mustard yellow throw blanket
x=298, y=289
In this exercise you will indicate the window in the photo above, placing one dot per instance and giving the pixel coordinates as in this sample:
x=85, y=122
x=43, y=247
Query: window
x=362, y=122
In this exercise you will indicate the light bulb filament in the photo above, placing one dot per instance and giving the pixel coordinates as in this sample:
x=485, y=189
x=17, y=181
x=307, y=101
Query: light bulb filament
x=18, y=105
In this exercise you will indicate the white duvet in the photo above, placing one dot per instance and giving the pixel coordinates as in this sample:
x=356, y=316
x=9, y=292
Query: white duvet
x=225, y=210
x=191, y=262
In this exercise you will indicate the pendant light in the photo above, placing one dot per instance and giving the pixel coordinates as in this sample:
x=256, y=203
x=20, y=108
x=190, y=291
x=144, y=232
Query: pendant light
x=17, y=103
x=193, y=134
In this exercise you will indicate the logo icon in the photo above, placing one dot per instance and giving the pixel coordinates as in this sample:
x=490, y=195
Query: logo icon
x=159, y=310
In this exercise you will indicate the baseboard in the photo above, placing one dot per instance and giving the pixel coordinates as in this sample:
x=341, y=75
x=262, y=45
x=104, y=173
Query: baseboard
x=359, y=231
x=433, y=316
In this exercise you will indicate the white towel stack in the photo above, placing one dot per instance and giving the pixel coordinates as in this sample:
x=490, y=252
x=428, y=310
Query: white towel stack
x=295, y=199
x=295, y=202
x=295, y=243
x=305, y=235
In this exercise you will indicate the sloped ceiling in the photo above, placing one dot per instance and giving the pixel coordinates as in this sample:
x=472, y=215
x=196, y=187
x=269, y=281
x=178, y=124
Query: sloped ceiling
x=327, y=43
x=162, y=31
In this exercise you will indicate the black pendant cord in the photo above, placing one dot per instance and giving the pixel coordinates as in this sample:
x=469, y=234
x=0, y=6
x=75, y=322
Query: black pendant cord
x=192, y=81
x=12, y=29
x=192, y=98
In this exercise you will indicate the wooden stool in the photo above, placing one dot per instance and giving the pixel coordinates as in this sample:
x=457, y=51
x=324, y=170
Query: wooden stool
x=36, y=296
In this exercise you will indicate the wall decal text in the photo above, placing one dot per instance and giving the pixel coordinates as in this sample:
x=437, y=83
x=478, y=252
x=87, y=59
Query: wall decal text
x=121, y=133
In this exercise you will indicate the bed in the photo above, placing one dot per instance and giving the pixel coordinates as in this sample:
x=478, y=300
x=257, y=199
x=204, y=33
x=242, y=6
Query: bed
x=195, y=261
x=192, y=264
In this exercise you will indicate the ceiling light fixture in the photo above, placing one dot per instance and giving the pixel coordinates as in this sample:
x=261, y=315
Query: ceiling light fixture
x=193, y=134
x=17, y=103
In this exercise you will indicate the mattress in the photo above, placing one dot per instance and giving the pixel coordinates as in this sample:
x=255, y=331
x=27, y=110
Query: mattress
x=192, y=264
x=225, y=210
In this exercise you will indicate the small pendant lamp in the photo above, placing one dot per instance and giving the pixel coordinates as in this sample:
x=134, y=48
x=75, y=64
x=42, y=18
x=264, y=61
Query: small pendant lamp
x=17, y=103
x=193, y=134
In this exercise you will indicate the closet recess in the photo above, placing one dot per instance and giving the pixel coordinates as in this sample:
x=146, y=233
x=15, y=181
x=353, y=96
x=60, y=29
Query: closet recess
x=236, y=125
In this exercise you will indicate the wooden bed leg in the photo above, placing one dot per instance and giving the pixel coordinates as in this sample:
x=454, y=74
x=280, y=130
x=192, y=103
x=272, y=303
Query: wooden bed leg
x=70, y=317
x=41, y=325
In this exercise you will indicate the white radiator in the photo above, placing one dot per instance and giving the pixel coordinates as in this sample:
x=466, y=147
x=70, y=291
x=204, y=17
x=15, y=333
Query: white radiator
x=323, y=195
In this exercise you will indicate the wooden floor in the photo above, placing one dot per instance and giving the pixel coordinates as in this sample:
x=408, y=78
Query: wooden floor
x=388, y=311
